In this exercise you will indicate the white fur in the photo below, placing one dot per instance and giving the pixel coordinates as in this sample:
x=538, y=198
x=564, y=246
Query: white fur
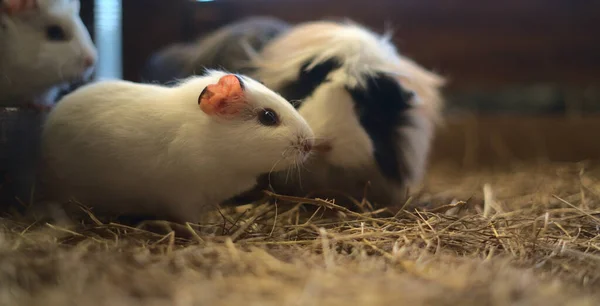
x=123, y=147
x=330, y=109
x=329, y=112
x=30, y=64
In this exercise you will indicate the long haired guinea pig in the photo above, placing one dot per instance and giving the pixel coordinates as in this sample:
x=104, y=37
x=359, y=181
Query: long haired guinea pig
x=373, y=111
x=169, y=152
x=228, y=48
x=41, y=48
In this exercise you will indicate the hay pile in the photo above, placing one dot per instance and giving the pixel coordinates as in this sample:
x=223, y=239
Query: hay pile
x=526, y=235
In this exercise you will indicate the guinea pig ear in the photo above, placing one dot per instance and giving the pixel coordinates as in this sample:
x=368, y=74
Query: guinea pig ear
x=226, y=98
x=16, y=6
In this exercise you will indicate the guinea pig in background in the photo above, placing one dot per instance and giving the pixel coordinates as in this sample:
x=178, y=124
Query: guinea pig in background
x=171, y=152
x=373, y=111
x=228, y=48
x=44, y=49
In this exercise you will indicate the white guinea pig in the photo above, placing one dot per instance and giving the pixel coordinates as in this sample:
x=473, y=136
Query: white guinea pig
x=41, y=48
x=373, y=110
x=171, y=152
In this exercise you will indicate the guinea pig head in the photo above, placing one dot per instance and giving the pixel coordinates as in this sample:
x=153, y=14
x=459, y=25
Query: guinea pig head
x=373, y=111
x=320, y=95
x=257, y=129
x=43, y=47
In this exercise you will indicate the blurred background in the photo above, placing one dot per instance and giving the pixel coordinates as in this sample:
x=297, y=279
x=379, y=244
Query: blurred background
x=524, y=76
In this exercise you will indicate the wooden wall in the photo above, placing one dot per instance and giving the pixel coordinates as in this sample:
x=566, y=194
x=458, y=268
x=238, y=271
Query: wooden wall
x=474, y=43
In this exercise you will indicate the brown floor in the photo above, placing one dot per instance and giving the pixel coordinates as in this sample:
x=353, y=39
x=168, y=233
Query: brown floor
x=492, y=140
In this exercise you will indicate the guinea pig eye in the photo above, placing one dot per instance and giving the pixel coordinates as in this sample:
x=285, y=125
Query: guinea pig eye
x=268, y=117
x=55, y=33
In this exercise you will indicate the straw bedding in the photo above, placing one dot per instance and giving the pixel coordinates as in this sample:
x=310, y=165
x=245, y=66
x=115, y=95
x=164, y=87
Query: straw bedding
x=519, y=235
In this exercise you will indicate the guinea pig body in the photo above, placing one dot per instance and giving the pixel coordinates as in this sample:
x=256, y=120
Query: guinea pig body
x=372, y=110
x=42, y=48
x=228, y=48
x=174, y=152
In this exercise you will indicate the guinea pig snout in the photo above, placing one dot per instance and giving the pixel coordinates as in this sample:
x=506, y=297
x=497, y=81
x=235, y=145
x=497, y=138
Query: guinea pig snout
x=307, y=146
x=304, y=146
x=88, y=61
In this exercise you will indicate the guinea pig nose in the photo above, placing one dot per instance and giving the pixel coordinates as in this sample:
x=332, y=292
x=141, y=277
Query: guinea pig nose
x=307, y=146
x=88, y=61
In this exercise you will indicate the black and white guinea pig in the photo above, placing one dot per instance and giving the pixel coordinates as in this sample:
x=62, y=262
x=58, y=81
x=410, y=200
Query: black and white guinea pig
x=229, y=48
x=42, y=48
x=373, y=111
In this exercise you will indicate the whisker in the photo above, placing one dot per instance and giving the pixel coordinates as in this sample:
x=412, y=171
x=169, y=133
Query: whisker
x=303, y=163
x=283, y=156
x=318, y=138
x=292, y=168
x=271, y=171
x=297, y=164
x=295, y=103
x=287, y=174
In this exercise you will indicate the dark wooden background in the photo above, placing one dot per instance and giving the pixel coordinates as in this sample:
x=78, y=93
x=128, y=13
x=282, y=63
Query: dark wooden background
x=483, y=44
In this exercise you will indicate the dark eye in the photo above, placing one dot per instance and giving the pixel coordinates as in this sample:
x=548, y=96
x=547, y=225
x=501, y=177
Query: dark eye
x=55, y=33
x=268, y=117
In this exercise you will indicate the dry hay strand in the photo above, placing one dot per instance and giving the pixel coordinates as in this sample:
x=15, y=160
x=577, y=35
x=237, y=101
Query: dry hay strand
x=526, y=235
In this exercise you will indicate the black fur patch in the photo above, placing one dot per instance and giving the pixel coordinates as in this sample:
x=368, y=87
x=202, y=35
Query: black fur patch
x=379, y=107
x=307, y=81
